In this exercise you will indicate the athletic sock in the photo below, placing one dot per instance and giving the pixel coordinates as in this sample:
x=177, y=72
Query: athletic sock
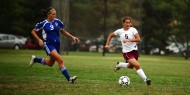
x=141, y=74
x=122, y=65
x=39, y=60
x=65, y=73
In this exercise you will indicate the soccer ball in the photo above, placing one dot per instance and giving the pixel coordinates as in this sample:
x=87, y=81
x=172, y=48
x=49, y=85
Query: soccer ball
x=124, y=81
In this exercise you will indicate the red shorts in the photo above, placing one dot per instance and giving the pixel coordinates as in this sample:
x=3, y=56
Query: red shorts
x=130, y=55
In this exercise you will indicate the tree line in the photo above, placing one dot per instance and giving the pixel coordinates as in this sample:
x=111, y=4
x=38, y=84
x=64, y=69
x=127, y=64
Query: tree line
x=159, y=22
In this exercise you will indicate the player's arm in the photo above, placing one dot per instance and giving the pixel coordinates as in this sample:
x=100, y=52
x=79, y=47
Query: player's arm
x=64, y=32
x=109, y=39
x=34, y=34
x=136, y=39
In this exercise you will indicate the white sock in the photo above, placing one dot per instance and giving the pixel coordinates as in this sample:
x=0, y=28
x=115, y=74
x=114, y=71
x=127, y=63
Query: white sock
x=141, y=74
x=122, y=65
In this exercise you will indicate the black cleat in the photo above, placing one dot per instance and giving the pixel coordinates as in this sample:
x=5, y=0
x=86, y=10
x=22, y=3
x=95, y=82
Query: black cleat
x=148, y=81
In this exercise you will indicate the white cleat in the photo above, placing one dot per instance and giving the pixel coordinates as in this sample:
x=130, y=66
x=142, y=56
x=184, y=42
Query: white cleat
x=72, y=79
x=117, y=67
x=32, y=60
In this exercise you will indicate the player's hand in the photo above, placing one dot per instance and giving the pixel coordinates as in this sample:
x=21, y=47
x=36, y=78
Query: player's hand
x=126, y=40
x=107, y=47
x=41, y=43
x=76, y=40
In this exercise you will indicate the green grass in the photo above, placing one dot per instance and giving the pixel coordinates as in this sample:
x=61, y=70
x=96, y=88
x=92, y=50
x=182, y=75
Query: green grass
x=169, y=75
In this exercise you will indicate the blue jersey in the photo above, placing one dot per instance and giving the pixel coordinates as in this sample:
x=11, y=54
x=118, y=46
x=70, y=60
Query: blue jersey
x=50, y=30
x=50, y=33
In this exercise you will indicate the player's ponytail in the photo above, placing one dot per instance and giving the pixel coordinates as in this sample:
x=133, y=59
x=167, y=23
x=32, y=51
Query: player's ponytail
x=45, y=12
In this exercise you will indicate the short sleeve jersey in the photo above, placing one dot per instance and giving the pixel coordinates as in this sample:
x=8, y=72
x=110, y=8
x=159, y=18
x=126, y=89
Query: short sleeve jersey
x=127, y=34
x=50, y=30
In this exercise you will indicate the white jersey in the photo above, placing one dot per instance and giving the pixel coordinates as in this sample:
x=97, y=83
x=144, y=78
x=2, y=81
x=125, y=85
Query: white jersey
x=127, y=34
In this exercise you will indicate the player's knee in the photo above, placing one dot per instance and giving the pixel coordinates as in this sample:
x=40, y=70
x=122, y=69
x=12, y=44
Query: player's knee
x=130, y=67
x=59, y=61
x=137, y=67
x=51, y=64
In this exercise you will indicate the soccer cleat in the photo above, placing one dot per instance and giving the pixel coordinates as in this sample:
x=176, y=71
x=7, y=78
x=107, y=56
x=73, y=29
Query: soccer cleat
x=117, y=67
x=148, y=81
x=72, y=79
x=32, y=60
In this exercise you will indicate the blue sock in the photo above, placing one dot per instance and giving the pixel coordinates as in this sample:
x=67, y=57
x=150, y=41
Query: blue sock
x=65, y=73
x=39, y=60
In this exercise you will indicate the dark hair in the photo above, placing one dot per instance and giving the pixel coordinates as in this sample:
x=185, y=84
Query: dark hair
x=45, y=12
x=127, y=17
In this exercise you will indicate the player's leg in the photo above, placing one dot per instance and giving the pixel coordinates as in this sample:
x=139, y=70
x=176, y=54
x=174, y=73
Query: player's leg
x=49, y=61
x=120, y=65
x=55, y=55
x=140, y=72
x=132, y=59
x=35, y=59
x=46, y=61
x=124, y=65
x=47, y=48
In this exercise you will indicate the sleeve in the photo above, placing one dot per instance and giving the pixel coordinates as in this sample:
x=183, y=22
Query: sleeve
x=61, y=24
x=39, y=26
x=135, y=31
x=117, y=32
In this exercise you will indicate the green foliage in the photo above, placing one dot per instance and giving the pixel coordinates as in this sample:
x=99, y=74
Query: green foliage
x=20, y=16
x=156, y=20
x=87, y=17
x=169, y=75
x=163, y=19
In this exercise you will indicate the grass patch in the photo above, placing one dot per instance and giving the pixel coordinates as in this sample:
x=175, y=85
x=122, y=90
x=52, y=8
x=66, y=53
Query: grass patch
x=169, y=75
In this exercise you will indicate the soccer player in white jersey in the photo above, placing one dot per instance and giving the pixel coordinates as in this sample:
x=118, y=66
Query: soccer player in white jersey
x=51, y=27
x=129, y=37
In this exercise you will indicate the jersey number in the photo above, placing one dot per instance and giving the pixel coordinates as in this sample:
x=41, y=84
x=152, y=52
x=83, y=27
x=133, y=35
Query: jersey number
x=51, y=27
x=126, y=36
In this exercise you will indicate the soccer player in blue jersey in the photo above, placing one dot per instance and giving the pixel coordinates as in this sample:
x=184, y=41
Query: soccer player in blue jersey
x=51, y=43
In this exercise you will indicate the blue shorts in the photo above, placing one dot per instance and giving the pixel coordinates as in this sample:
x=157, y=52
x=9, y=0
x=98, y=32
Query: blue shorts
x=50, y=46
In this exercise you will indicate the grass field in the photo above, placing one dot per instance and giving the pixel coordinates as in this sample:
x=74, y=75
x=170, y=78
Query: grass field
x=96, y=76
